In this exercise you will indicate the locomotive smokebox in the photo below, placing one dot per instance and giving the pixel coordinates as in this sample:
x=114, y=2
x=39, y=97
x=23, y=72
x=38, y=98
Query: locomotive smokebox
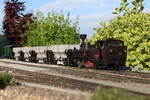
x=83, y=44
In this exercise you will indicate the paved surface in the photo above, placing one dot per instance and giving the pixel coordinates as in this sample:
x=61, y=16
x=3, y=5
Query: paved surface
x=129, y=86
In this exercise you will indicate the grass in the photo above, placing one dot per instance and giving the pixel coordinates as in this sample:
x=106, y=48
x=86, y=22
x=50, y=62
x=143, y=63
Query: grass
x=23, y=92
x=116, y=94
x=6, y=79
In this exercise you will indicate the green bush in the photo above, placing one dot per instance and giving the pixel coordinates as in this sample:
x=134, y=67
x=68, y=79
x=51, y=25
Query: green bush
x=116, y=94
x=6, y=79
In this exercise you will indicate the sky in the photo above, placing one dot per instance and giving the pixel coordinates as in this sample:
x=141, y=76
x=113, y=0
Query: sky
x=90, y=12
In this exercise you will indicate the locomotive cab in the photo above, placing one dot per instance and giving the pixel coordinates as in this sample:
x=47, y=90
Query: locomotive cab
x=113, y=53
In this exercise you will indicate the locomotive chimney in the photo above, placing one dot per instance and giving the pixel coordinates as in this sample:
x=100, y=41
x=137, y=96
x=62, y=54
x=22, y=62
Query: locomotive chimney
x=83, y=44
x=83, y=37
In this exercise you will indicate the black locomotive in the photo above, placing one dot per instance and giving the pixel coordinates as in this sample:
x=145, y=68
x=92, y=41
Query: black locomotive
x=104, y=54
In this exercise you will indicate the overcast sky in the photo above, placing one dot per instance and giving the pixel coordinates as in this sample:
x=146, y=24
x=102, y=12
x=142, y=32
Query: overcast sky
x=90, y=12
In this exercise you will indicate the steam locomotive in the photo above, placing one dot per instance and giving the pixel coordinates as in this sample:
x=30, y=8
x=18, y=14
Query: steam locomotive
x=104, y=54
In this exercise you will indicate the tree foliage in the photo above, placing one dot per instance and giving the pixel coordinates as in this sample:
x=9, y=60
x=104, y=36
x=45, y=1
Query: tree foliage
x=14, y=21
x=53, y=29
x=134, y=29
x=134, y=7
x=3, y=41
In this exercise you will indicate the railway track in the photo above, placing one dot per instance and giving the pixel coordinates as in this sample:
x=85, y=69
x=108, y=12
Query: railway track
x=75, y=78
x=115, y=76
x=53, y=80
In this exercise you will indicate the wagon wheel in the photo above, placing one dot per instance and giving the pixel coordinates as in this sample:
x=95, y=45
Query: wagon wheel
x=80, y=64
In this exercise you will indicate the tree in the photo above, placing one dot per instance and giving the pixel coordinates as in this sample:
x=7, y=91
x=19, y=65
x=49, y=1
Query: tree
x=134, y=29
x=53, y=29
x=136, y=6
x=14, y=21
x=3, y=41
